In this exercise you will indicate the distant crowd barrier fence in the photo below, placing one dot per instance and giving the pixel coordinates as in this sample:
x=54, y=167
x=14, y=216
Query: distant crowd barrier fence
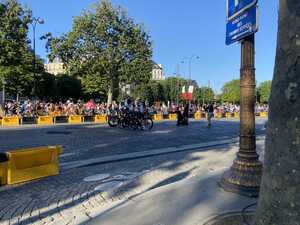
x=263, y=114
x=173, y=116
x=197, y=116
x=100, y=119
x=77, y=119
x=10, y=121
x=158, y=117
x=29, y=164
x=45, y=120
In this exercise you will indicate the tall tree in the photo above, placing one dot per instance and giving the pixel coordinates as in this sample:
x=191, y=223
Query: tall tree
x=16, y=56
x=264, y=91
x=279, y=202
x=231, y=91
x=172, y=87
x=204, y=95
x=105, y=48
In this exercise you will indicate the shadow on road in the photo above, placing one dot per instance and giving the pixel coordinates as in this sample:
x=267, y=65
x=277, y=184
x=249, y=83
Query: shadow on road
x=48, y=199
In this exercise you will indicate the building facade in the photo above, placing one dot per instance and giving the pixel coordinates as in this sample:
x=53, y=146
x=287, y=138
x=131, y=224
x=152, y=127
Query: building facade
x=157, y=72
x=56, y=67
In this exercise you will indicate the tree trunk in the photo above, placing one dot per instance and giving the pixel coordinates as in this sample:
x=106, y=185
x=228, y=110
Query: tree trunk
x=110, y=94
x=279, y=202
x=113, y=91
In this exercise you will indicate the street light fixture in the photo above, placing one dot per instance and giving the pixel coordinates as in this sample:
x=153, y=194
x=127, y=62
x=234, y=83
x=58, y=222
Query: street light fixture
x=34, y=23
x=178, y=77
x=190, y=59
x=190, y=67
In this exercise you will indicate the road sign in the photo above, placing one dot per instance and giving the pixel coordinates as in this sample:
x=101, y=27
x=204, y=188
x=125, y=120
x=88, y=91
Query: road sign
x=242, y=26
x=236, y=7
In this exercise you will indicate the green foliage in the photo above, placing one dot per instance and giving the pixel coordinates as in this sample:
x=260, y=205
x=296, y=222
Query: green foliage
x=264, y=91
x=59, y=87
x=150, y=92
x=47, y=86
x=16, y=56
x=172, y=87
x=157, y=91
x=162, y=91
x=231, y=91
x=204, y=95
x=105, y=47
x=67, y=87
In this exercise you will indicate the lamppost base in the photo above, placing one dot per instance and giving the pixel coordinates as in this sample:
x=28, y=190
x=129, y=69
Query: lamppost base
x=243, y=178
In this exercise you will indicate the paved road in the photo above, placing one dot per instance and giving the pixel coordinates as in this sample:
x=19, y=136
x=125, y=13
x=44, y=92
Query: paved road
x=92, y=141
x=69, y=199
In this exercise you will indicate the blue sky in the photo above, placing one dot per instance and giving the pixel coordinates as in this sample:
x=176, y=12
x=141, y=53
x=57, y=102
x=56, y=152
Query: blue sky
x=178, y=30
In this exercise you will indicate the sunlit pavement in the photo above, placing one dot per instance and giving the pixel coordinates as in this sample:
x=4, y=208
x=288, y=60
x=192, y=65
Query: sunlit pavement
x=90, y=140
x=77, y=195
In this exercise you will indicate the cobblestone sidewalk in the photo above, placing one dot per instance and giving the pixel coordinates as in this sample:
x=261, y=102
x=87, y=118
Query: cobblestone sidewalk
x=76, y=196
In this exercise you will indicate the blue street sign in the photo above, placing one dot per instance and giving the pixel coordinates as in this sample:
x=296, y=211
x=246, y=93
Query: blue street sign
x=236, y=7
x=242, y=26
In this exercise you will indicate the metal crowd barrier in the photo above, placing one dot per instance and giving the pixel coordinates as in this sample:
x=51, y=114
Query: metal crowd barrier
x=50, y=120
x=78, y=119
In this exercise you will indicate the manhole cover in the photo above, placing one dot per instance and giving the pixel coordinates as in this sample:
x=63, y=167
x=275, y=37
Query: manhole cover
x=59, y=132
x=97, y=177
x=109, y=186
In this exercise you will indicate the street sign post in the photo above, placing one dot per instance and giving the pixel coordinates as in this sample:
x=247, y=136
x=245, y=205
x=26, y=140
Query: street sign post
x=236, y=7
x=244, y=176
x=242, y=26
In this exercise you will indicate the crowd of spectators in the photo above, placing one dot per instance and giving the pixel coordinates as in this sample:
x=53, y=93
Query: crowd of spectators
x=218, y=108
x=30, y=108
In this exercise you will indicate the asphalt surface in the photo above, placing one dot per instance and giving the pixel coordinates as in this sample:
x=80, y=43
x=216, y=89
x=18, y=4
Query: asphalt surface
x=88, y=141
x=69, y=199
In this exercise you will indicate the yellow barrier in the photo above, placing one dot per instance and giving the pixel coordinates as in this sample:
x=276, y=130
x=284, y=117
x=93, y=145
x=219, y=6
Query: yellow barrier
x=75, y=119
x=173, y=117
x=33, y=163
x=197, y=116
x=3, y=173
x=236, y=115
x=10, y=121
x=219, y=115
x=263, y=114
x=45, y=120
x=228, y=115
x=100, y=119
x=158, y=117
